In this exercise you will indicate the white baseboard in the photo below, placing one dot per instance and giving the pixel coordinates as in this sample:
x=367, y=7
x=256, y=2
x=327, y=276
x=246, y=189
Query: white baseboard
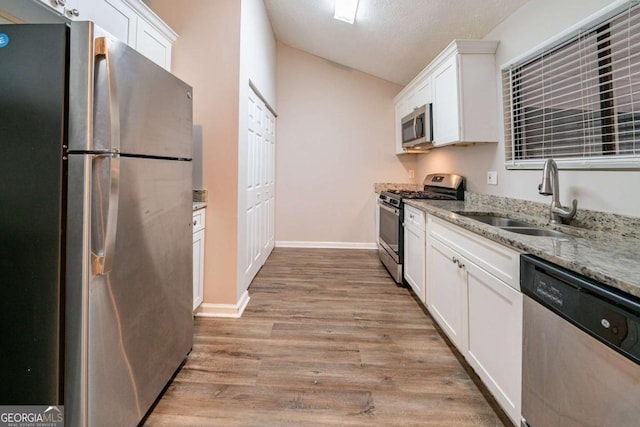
x=325, y=245
x=224, y=310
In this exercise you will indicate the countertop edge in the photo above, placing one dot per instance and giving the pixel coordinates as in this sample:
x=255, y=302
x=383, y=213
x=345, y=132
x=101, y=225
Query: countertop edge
x=199, y=205
x=547, y=248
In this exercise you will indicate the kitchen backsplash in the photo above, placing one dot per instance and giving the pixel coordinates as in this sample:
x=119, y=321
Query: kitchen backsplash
x=379, y=187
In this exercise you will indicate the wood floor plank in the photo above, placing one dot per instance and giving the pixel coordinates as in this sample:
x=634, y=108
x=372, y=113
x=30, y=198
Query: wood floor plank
x=327, y=340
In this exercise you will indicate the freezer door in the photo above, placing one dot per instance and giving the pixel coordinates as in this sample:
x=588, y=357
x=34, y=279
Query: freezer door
x=152, y=107
x=140, y=313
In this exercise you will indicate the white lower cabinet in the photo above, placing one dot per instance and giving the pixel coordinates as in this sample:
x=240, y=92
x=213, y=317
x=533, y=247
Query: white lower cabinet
x=198, y=257
x=414, y=250
x=446, y=293
x=479, y=312
x=494, y=337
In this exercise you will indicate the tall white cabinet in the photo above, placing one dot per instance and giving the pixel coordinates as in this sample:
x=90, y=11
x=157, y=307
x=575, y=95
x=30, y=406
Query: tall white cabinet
x=259, y=193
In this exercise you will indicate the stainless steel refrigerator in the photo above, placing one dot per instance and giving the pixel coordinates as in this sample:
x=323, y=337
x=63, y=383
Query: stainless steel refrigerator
x=95, y=224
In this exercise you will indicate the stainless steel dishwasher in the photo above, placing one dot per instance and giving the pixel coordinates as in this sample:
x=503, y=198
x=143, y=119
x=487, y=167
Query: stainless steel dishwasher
x=581, y=356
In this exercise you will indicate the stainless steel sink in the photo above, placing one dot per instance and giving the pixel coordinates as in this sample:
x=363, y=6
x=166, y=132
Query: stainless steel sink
x=535, y=231
x=512, y=225
x=497, y=221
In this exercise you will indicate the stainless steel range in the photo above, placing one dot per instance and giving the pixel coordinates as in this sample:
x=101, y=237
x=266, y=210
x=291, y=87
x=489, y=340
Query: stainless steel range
x=441, y=186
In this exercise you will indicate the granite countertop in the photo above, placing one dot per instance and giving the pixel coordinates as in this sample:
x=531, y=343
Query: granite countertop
x=609, y=256
x=199, y=205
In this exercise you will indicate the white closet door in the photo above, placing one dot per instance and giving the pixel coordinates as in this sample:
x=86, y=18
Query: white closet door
x=260, y=186
x=269, y=154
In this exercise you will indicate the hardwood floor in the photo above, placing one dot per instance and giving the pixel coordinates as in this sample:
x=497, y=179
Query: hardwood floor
x=327, y=340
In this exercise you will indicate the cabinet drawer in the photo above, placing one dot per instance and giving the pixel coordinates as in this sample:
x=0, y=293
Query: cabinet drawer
x=198, y=220
x=414, y=217
x=502, y=262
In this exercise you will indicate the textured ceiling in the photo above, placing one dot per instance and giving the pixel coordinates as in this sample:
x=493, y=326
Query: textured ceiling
x=391, y=39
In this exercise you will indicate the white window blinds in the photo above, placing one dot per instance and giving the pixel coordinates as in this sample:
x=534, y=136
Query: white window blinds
x=578, y=101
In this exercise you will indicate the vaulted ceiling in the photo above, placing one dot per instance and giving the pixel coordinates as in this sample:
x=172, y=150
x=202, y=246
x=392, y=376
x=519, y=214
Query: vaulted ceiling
x=391, y=39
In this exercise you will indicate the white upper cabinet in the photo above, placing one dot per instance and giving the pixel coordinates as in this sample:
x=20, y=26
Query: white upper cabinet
x=461, y=84
x=465, y=94
x=61, y=6
x=446, y=126
x=151, y=43
x=113, y=16
x=130, y=21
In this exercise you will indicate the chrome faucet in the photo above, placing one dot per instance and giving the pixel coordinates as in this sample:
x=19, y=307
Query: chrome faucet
x=549, y=187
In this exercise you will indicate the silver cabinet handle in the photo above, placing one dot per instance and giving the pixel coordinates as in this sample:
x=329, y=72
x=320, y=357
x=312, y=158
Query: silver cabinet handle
x=105, y=259
x=457, y=262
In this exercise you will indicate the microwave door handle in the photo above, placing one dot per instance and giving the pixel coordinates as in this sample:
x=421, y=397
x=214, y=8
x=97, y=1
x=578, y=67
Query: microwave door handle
x=415, y=128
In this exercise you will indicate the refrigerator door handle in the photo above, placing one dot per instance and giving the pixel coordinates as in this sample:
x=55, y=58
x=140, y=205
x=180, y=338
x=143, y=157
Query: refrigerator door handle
x=104, y=259
x=102, y=49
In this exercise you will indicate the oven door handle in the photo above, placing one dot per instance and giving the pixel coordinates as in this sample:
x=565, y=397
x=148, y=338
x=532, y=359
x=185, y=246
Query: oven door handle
x=394, y=211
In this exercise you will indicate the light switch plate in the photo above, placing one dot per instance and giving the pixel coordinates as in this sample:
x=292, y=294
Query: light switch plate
x=492, y=178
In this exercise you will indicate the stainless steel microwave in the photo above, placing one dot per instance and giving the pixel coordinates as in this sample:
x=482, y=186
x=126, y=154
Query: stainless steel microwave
x=416, y=128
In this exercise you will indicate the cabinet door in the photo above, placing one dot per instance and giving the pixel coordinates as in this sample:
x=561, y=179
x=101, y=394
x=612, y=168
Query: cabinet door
x=113, y=16
x=414, y=259
x=54, y=5
x=152, y=44
x=494, y=336
x=198, y=268
x=424, y=95
x=402, y=109
x=446, y=293
x=446, y=114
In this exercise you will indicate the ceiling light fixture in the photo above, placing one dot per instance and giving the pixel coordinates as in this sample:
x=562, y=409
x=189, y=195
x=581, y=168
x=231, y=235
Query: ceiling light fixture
x=346, y=10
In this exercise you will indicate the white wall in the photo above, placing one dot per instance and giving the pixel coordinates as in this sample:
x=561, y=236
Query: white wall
x=335, y=134
x=609, y=191
x=258, y=65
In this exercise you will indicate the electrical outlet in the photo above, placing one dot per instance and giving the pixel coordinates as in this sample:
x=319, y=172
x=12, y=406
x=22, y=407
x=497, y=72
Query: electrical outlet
x=412, y=173
x=492, y=178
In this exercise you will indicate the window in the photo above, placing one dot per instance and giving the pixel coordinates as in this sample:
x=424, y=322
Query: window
x=578, y=101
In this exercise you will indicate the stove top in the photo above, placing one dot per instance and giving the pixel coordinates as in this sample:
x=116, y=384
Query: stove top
x=437, y=187
x=417, y=194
